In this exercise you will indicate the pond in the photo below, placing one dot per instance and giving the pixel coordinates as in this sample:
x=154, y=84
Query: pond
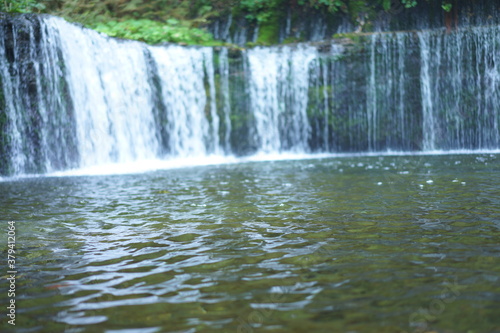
x=404, y=243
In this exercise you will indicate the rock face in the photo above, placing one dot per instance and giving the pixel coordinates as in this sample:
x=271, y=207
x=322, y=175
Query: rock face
x=70, y=97
x=298, y=24
x=36, y=112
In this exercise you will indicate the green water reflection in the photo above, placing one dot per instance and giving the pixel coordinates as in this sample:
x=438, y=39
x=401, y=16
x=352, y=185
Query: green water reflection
x=359, y=244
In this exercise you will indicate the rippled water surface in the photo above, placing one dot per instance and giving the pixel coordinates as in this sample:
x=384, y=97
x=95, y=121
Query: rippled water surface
x=358, y=244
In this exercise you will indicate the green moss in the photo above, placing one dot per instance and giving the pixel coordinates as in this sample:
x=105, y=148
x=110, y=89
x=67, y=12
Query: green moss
x=292, y=40
x=269, y=32
x=268, y=29
x=353, y=37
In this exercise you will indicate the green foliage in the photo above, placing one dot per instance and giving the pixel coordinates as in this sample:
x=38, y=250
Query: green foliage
x=386, y=4
x=259, y=10
x=179, y=21
x=154, y=32
x=269, y=31
x=331, y=5
x=409, y=3
x=446, y=6
x=21, y=6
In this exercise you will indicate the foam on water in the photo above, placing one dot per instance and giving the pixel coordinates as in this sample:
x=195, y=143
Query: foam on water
x=174, y=163
x=145, y=166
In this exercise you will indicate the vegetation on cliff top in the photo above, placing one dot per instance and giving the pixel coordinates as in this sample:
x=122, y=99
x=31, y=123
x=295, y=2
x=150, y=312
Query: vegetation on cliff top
x=21, y=6
x=156, y=21
x=154, y=32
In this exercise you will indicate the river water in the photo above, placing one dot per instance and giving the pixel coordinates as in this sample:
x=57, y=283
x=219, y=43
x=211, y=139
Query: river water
x=345, y=243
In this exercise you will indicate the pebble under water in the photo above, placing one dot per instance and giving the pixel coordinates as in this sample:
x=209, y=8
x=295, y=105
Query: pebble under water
x=340, y=244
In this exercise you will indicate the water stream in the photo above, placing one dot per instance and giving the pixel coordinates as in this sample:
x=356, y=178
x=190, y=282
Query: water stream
x=348, y=243
x=73, y=98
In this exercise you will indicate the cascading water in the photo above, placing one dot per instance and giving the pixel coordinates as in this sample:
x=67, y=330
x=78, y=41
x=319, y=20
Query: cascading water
x=111, y=110
x=428, y=126
x=460, y=78
x=226, y=100
x=371, y=100
x=181, y=73
x=109, y=86
x=73, y=98
x=429, y=90
x=279, y=82
x=32, y=138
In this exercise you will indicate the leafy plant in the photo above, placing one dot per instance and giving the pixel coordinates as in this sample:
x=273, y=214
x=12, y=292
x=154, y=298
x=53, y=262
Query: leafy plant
x=409, y=3
x=259, y=10
x=156, y=21
x=154, y=32
x=446, y=6
x=21, y=6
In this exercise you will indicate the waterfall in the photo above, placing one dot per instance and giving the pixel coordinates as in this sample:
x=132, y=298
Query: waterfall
x=428, y=127
x=400, y=40
x=181, y=72
x=460, y=88
x=214, y=123
x=326, y=107
x=431, y=90
x=32, y=139
x=279, y=82
x=93, y=100
x=73, y=98
x=109, y=86
x=226, y=98
x=371, y=100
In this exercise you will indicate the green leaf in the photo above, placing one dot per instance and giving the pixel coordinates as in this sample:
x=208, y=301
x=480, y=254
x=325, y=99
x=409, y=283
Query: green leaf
x=446, y=6
x=172, y=22
x=386, y=4
x=154, y=32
